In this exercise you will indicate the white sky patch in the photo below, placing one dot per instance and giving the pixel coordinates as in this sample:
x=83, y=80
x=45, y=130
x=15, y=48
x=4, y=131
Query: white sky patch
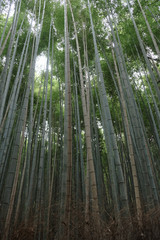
x=150, y=53
x=138, y=81
x=10, y=9
x=32, y=22
x=41, y=63
x=3, y=60
x=106, y=25
x=60, y=45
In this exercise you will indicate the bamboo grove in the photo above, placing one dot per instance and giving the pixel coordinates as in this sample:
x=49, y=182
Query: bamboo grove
x=79, y=140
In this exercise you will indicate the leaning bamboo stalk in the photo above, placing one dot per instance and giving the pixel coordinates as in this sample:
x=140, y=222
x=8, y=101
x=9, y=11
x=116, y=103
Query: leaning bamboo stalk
x=5, y=41
x=15, y=182
x=10, y=47
x=144, y=52
x=5, y=116
x=86, y=114
x=150, y=30
x=8, y=78
x=130, y=147
x=117, y=180
x=20, y=192
x=7, y=130
x=79, y=136
x=51, y=187
x=5, y=26
x=134, y=114
x=65, y=214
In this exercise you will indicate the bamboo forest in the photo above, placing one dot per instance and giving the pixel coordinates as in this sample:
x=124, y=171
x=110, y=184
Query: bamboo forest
x=79, y=119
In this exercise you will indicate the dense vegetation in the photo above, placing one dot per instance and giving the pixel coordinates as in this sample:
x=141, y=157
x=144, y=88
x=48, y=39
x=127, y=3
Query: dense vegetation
x=79, y=139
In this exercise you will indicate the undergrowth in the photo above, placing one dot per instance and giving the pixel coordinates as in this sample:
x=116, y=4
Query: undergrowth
x=127, y=229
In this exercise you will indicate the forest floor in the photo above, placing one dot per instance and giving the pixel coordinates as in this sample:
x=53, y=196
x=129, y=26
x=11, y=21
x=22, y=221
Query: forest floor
x=128, y=229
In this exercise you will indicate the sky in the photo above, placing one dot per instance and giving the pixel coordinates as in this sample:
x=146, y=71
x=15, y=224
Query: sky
x=41, y=62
